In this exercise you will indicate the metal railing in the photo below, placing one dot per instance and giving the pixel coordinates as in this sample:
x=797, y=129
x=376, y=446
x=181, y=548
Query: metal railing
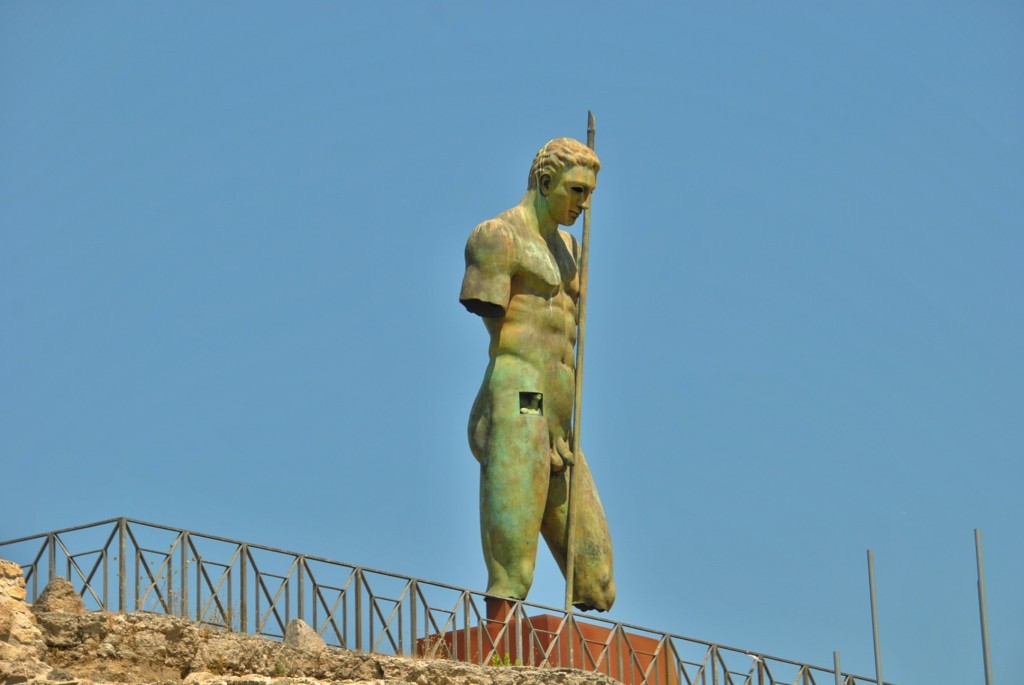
x=127, y=565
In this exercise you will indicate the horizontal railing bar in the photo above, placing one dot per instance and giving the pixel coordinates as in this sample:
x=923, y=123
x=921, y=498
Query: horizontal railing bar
x=59, y=532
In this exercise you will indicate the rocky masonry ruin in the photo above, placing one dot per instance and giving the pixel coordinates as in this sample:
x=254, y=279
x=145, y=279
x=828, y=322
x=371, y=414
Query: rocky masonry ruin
x=55, y=641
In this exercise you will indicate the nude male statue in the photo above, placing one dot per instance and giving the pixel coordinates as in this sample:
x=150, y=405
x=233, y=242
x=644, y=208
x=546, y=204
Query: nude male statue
x=521, y=279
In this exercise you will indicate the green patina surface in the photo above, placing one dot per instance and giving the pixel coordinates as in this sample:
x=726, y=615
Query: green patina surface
x=522, y=279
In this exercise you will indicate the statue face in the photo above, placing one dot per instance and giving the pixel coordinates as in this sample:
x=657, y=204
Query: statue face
x=569, y=194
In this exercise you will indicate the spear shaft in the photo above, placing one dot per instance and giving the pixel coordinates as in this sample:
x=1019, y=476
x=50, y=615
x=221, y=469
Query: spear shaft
x=570, y=517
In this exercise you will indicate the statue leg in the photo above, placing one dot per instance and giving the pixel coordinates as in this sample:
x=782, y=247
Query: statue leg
x=515, y=469
x=593, y=578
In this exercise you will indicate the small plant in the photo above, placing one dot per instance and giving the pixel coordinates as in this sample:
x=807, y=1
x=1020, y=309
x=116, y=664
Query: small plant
x=504, y=661
x=169, y=600
x=220, y=616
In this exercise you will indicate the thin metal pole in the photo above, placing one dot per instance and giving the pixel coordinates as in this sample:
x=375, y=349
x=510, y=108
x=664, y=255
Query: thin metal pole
x=135, y=601
x=300, y=568
x=184, y=574
x=412, y=618
x=874, y=617
x=982, y=607
x=106, y=577
x=839, y=670
x=243, y=581
x=137, y=579
x=199, y=592
x=122, y=550
x=577, y=398
x=620, y=648
x=571, y=637
x=185, y=539
x=51, y=559
x=517, y=624
x=228, y=619
x=467, y=646
x=359, y=611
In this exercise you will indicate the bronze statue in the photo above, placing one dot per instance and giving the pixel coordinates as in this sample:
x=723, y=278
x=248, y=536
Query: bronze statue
x=522, y=278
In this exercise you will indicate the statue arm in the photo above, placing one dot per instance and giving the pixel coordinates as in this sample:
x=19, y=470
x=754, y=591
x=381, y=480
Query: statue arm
x=577, y=251
x=490, y=260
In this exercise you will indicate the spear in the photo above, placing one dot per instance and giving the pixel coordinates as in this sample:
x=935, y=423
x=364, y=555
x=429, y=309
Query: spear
x=577, y=402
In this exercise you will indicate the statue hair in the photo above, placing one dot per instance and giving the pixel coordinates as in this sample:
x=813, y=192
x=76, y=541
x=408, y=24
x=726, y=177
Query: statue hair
x=557, y=156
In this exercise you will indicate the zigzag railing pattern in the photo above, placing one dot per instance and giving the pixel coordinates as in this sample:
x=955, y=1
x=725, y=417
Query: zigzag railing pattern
x=128, y=565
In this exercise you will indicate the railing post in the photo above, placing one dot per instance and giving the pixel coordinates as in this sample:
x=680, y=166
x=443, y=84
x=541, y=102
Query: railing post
x=620, y=647
x=714, y=665
x=256, y=623
x=199, y=591
x=359, y=610
x=184, y=575
x=135, y=601
x=666, y=653
x=412, y=615
x=229, y=619
x=106, y=577
x=122, y=551
x=467, y=645
x=839, y=673
x=517, y=624
x=243, y=603
x=300, y=563
x=571, y=638
x=183, y=605
x=51, y=558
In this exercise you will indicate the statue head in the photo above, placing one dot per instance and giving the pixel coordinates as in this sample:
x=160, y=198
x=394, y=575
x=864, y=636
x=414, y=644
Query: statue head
x=559, y=155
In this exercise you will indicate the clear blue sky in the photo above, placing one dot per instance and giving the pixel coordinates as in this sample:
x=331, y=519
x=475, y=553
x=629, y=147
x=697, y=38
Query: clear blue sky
x=231, y=243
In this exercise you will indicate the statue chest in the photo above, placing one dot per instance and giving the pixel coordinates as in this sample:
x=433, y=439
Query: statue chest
x=545, y=271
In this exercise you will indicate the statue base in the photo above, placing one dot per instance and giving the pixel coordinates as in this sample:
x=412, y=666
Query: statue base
x=549, y=641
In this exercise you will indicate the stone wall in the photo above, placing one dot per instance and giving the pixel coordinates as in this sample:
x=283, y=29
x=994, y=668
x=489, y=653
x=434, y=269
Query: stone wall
x=22, y=646
x=56, y=642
